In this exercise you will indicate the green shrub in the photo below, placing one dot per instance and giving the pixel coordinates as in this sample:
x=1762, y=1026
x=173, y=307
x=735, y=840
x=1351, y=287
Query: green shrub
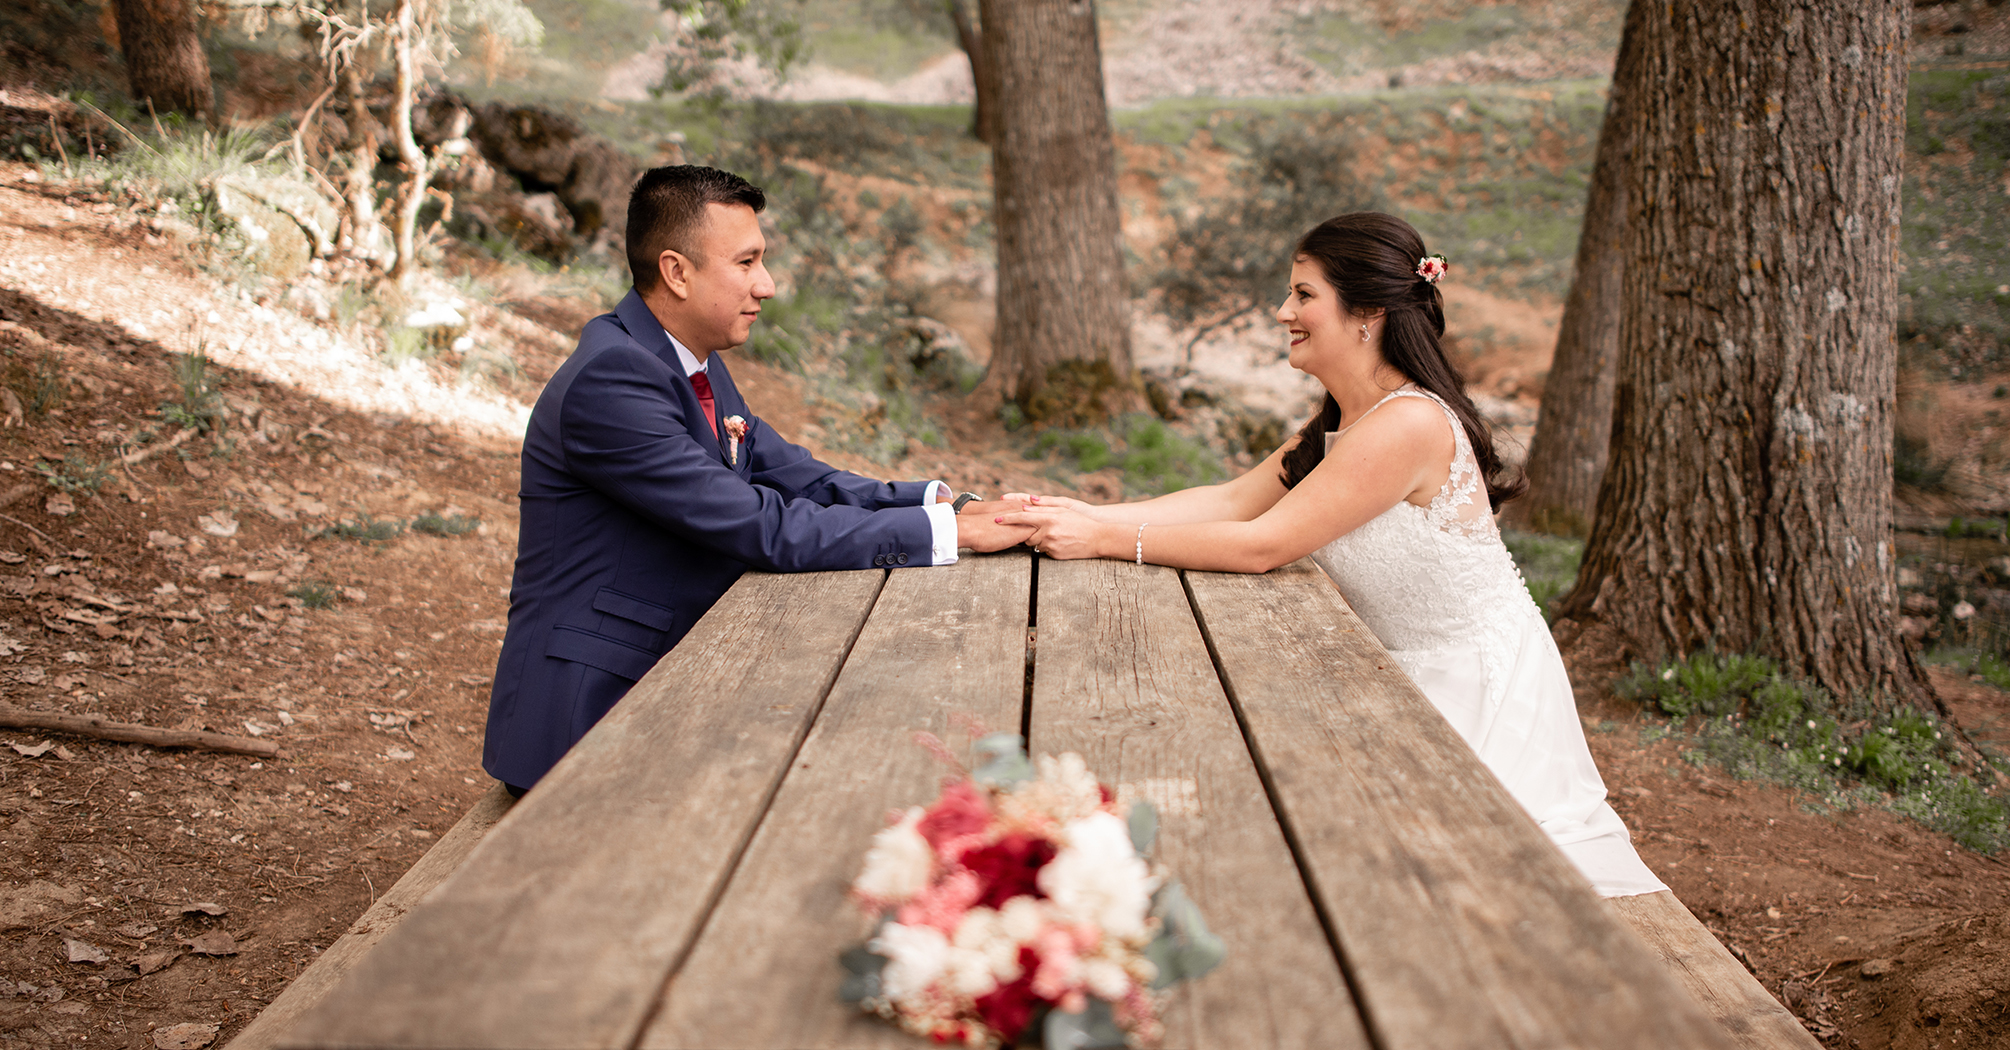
x=201, y=406
x=314, y=595
x=364, y=529
x=448, y=525
x=1548, y=564
x=78, y=475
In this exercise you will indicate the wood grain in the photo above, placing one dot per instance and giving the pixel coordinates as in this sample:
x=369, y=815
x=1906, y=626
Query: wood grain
x=265, y=1031
x=941, y=643
x=1122, y=677
x=559, y=929
x=1460, y=925
x=1727, y=991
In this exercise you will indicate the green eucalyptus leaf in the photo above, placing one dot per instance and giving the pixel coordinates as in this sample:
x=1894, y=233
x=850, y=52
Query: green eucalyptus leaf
x=862, y=974
x=1095, y=1028
x=1185, y=948
x=1004, y=763
x=1144, y=824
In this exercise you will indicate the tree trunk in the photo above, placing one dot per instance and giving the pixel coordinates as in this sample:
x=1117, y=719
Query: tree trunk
x=983, y=90
x=1566, y=459
x=418, y=168
x=1063, y=346
x=165, y=63
x=1748, y=498
x=359, y=194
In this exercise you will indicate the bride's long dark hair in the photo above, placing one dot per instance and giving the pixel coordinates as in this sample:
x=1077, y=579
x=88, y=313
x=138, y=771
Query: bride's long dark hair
x=1371, y=260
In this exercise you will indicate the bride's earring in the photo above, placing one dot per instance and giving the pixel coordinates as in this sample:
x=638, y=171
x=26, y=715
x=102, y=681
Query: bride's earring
x=1364, y=333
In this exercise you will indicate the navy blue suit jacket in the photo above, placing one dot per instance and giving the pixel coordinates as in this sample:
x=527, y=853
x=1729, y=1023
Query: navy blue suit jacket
x=633, y=524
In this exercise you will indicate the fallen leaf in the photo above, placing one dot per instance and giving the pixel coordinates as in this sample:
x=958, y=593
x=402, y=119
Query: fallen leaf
x=195, y=470
x=261, y=576
x=155, y=962
x=59, y=505
x=354, y=594
x=85, y=951
x=399, y=754
x=205, y=907
x=35, y=751
x=66, y=682
x=212, y=942
x=185, y=1036
x=135, y=930
x=65, y=753
x=12, y=557
x=165, y=540
x=219, y=523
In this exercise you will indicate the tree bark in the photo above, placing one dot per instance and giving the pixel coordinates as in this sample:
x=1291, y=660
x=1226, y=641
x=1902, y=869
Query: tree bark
x=983, y=90
x=1573, y=430
x=418, y=167
x=165, y=62
x=359, y=194
x=1063, y=346
x=1747, y=502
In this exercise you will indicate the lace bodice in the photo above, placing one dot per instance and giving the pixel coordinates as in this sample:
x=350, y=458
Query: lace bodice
x=1435, y=577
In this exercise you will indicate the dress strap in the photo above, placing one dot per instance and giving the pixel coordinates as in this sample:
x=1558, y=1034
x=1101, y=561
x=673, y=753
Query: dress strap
x=1402, y=391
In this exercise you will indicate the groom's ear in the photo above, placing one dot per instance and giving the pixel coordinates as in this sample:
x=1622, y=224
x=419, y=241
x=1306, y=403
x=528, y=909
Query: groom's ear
x=675, y=269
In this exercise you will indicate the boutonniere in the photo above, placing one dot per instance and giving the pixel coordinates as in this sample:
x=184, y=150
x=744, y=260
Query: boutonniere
x=736, y=428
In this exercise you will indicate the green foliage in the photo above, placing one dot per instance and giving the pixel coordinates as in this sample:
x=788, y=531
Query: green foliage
x=1155, y=459
x=1548, y=564
x=1962, y=528
x=1954, y=240
x=1749, y=718
x=710, y=33
x=314, y=594
x=364, y=529
x=1912, y=464
x=402, y=344
x=78, y=475
x=445, y=525
x=38, y=381
x=1989, y=666
x=201, y=405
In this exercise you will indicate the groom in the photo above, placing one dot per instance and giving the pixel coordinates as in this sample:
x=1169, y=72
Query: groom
x=649, y=486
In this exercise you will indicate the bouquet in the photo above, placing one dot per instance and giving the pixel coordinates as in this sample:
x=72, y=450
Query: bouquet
x=1022, y=903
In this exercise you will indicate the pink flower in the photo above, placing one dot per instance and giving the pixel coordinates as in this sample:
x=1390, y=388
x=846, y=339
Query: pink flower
x=1432, y=268
x=963, y=810
x=942, y=905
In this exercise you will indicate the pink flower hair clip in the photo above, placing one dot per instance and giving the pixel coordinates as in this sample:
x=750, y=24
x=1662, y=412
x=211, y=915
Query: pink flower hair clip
x=1432, y=268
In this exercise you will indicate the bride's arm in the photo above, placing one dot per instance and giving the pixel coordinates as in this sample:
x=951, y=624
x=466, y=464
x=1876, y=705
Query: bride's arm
x=1238, y=500
x=1366, y=473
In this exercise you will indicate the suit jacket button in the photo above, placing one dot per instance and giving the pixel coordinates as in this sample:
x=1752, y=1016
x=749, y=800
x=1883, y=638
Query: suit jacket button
x=900, y=559
x=878, y=560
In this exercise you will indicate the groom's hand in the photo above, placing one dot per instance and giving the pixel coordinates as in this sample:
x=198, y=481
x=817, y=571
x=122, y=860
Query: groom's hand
x=978, y=529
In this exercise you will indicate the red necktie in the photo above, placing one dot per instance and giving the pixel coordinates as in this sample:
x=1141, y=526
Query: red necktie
x=703, y=385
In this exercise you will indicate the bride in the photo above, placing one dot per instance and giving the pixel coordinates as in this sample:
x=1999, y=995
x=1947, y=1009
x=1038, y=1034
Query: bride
x=1390, y=488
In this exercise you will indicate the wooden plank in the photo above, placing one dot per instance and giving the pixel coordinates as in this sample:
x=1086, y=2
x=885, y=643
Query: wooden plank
x=559, y=930
x=941, y=642
x=1460, y=925
x=1122, y=677
x=265, y=1031
x=1727, y=991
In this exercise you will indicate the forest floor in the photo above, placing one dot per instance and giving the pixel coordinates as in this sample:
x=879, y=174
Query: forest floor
x=249, y=582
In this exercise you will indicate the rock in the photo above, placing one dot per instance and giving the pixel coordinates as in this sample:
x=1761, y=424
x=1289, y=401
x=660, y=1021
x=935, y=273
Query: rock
x=185, y=1036
x=1874, y=968
x=85, y=952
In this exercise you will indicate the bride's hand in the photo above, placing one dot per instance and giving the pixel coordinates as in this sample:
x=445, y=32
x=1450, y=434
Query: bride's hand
x=1031, y=499
x=1058, y=532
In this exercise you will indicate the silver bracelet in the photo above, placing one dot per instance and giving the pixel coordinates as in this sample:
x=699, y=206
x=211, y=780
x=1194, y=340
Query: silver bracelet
x=1141, y=543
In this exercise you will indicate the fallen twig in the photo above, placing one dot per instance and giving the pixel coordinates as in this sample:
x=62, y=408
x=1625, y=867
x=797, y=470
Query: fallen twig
x=141, y=455
x=100, y=728
x=30, y=528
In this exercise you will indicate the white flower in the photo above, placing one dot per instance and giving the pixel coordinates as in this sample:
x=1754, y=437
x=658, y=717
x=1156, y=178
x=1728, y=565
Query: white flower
x=916, y=956
x=969, y=972
x=1022, y=918
x=898, y=864
x=983, y=931
x=1106, y=978
x=1098, y=877
x=1962, y=610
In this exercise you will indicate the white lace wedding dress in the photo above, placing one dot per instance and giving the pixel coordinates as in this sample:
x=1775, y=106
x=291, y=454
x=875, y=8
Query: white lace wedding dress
x=1441, y=593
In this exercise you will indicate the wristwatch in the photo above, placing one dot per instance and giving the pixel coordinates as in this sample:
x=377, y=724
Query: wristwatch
x=956, y=507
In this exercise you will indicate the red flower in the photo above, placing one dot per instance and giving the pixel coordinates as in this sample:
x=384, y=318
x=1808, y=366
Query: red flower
x=963, y=809
x=1008, y=1008
x=1009, y=868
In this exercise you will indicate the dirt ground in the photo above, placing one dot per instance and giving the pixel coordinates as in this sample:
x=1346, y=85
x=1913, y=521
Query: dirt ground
x=143, y=888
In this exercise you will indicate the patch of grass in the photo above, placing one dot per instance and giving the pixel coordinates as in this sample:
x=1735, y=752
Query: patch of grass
x=314, y=594
x=403, y=344
x=445, y=525
x=1989, y=666
x=364, y=529
x=1743, y=714
x=78, y=474
x=201, y=405
x=38, y=381
x=1548, y=564
x=1155, y=458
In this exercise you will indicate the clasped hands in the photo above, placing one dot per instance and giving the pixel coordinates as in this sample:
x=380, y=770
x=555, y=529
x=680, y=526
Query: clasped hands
x=1057, y=526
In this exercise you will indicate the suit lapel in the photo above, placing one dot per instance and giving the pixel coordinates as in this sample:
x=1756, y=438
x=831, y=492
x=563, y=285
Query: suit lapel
x=648, y=333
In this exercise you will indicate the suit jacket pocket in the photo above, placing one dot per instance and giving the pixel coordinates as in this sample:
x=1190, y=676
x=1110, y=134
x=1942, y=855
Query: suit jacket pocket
x=629, y=607
x=597, y=650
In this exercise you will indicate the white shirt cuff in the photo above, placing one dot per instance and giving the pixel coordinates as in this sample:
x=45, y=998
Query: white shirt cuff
x=942, y=519
x=933, y=493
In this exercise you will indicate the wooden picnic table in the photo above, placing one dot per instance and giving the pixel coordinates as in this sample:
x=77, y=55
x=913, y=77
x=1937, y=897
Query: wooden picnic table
x=679, y=879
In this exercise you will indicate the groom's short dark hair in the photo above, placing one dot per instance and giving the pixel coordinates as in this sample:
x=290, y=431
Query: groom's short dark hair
x=666, y=209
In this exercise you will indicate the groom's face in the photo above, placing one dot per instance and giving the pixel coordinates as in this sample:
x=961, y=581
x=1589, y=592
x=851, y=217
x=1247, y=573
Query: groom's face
x=728, y=280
